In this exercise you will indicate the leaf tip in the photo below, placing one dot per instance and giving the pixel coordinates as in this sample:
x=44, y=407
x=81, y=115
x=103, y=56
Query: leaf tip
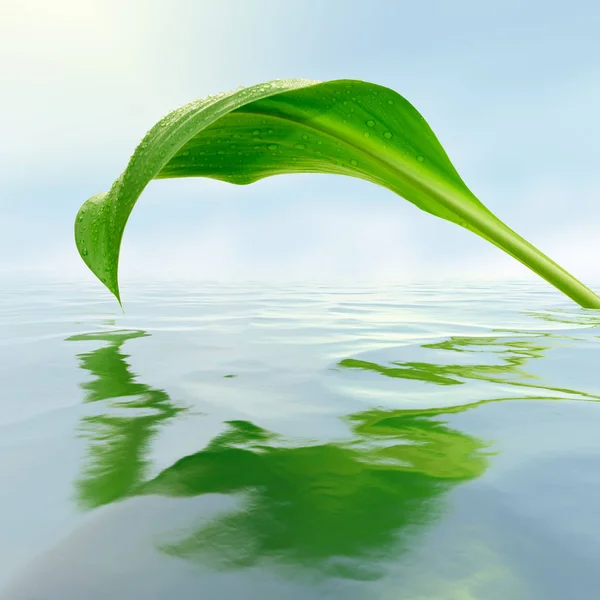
x=117, y=295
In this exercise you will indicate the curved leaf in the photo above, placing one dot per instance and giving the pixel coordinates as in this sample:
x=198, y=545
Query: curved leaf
x=300, y=126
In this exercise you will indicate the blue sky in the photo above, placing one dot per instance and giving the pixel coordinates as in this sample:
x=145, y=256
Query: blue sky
x=511, y=89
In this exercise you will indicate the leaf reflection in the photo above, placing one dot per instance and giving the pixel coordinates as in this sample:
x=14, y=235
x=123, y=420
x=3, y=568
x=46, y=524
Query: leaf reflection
x=343, y=508
x=339, y=507
x=119, y=441
x=513, y=353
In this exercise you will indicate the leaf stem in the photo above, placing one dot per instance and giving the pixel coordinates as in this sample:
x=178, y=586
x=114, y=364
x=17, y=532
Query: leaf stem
x=512, y=243
x=476, y=217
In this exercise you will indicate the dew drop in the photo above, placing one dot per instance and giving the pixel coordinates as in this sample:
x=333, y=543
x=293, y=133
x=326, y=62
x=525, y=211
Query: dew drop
x=390, y=102
x=366, y=134
x=304, y=137
x=300, y=146
x=84, y=252
x=354, y=162
x=256, y=132
x=387, y=135
x=272, y=146
x=186, y=153
x=270, y=131
x=370, y=123
x=420, y=158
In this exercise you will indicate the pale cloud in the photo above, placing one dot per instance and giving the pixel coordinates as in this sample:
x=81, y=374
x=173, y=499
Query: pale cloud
x=319, y=241
x=83, y=81
x=208, y=230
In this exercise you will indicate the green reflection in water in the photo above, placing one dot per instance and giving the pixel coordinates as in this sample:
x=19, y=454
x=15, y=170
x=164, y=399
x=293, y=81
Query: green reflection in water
x=342, y=508
x=586, y=317
x=119, y=438
x=338, y=507
x=514, y=353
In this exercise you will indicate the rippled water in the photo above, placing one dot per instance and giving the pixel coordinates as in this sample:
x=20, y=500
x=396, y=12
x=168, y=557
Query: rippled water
x=302, y=441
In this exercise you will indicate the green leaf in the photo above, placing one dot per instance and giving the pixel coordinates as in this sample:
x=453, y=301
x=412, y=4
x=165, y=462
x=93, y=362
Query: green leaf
x=300, y=126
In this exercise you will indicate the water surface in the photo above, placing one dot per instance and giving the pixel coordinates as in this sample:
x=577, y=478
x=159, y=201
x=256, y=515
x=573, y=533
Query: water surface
x=403, y=442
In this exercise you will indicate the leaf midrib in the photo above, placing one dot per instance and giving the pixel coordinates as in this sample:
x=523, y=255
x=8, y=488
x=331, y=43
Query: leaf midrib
x=390, y=167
